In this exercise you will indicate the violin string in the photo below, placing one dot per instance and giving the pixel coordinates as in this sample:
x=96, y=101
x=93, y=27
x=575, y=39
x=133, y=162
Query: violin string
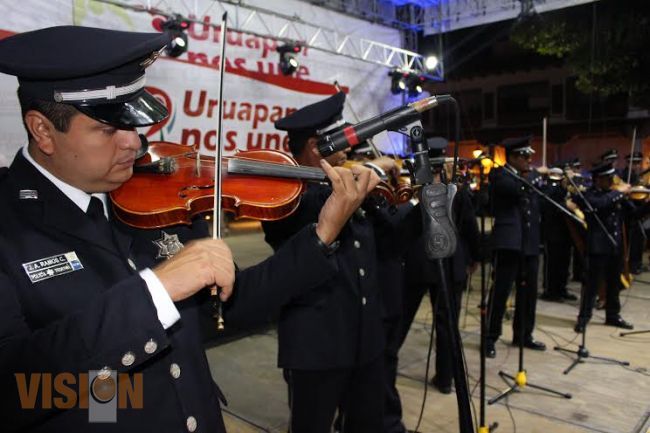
x=188, y=161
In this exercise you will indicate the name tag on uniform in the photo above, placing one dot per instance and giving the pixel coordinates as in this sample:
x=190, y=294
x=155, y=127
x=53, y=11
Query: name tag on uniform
x=48, y=267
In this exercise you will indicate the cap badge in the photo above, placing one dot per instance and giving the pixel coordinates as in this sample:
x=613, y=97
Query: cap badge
x=152, y=58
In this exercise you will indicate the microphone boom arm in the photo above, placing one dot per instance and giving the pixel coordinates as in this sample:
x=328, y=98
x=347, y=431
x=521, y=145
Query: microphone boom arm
x=591, y=209
x=540, y=193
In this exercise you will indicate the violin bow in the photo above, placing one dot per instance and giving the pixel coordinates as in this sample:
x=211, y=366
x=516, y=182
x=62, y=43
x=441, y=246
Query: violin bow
x=376, y=153
x=544, y=129
x=629, y=163
x=216, y=212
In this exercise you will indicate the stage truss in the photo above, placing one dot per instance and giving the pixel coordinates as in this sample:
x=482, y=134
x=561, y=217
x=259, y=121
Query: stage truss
x=253, y=20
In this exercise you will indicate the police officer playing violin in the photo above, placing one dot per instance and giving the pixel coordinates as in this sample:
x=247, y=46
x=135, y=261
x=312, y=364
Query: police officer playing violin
x=605, y=258
x=635, y=233
x=332, y=340
x=79, y=291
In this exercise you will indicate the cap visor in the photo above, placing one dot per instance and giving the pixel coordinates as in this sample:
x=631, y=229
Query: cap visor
x=142, y=110
x=607, y=173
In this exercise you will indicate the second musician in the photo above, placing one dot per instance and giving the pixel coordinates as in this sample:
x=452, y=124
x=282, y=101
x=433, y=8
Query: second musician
x=605, y=261
x=515, y=238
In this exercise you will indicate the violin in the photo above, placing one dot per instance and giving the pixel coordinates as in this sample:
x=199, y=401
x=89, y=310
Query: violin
x=639, y=193
x=172, y=184
x=401, y=186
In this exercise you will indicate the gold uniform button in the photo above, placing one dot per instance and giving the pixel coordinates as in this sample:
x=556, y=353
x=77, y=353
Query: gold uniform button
x=175, y=370
x=191, y=423
x=150, y=347
x=128, y=359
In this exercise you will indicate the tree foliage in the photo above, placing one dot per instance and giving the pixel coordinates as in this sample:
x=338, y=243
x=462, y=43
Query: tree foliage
x=606, y=44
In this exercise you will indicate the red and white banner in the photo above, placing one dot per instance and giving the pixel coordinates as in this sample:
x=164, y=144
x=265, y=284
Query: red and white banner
x=256, y=94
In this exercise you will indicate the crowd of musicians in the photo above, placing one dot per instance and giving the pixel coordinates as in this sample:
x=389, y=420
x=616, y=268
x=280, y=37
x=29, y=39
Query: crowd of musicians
x=344, y=283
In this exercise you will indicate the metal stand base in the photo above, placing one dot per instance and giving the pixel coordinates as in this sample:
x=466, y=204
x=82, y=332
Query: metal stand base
x=518, y=383
x=488, y=428
x=583, y=354
x=623, y=334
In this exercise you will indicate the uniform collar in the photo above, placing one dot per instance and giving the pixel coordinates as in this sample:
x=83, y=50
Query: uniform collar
x=77, y=196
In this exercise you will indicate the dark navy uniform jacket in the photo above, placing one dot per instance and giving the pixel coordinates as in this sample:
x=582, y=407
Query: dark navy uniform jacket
x=339, y=323
x=554, y=222
x=516, y=213
x=102, y=314
x=611, y=206
x=391, y=254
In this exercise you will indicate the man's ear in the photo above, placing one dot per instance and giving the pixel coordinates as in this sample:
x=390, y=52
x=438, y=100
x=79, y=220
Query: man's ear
x=312, y=146
x=41, y=130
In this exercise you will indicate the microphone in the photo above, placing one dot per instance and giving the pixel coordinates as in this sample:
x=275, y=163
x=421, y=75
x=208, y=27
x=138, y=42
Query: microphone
x=352, y=135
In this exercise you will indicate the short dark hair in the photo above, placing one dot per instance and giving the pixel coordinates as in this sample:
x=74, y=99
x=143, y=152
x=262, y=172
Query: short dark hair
x=59, y=114
x=298, y=141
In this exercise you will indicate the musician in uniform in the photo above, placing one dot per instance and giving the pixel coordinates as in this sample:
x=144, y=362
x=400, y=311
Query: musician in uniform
x=332, y=341
x=610, y=155
x=632, y=167
x=582, y=180
x=83, y=294
x=605, y=247
x=515, y=239
x=423, y=275
x=557, y=239
x=636, y=237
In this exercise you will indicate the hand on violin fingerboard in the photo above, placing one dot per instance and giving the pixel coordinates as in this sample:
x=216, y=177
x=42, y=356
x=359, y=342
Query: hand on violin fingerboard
x=387, y=164
x=202, y=263
x=623, y=187
x=542, y=169
x=349, y=189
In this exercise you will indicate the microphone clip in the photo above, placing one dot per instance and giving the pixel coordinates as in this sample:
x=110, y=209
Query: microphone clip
x=435, y=198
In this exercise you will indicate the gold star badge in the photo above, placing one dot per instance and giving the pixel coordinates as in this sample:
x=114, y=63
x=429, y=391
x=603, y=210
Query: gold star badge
x=168, y=245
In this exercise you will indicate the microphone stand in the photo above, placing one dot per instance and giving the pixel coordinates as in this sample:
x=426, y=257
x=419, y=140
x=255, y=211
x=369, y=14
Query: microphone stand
x=483, y=427
x=520, y=381
x=440, y=243
x=641, y=331
x=582, y=353
x=544, y=196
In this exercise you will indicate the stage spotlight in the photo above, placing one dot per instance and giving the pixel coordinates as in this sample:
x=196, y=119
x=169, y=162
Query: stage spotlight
x=288, y=61
x=414, y=84
x=177, y=25
x=177, y=46
x=397, y=82
x=431, y=62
